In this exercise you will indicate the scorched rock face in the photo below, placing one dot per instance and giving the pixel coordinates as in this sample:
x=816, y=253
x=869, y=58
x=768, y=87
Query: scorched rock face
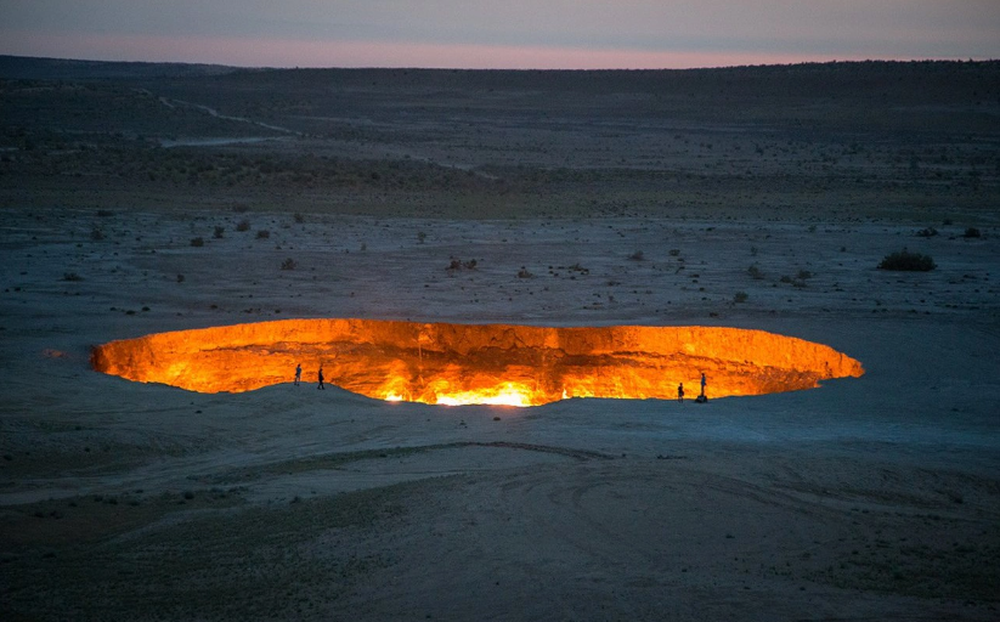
x=477, y=363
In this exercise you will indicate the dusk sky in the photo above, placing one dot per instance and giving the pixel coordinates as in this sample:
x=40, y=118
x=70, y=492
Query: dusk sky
x=501, y=34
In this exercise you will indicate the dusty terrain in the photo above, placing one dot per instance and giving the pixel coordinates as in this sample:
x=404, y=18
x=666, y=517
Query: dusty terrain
x=869, y=498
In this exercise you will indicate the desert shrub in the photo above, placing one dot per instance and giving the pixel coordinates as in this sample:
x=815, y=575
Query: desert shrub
x=71, y=276
x=263, y=234
x=240, y=208
x=197, y=242
x=906, y=261
x=971, y=232
x=523, y=273
x=421, y=236
x=299, y=218
x=243, y=225
x=96, y=234
x=458, y=264
x=929, y=232
x=754, y=272
x=740, y=297
x=675, y=252
x=636, y=256
x=803, y=275
x=217, y=233
x=180, y=278
x=288, y=264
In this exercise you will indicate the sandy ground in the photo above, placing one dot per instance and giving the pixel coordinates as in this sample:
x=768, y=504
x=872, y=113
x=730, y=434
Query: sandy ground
x=871, y=498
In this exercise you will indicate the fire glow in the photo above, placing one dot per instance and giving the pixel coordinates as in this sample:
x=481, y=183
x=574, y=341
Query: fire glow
x=477, y=363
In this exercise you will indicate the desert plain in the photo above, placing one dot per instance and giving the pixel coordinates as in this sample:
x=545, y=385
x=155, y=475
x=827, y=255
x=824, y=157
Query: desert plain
x=138, y=199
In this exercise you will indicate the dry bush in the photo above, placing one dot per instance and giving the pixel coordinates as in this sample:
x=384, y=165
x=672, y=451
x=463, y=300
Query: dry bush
x=906, y=261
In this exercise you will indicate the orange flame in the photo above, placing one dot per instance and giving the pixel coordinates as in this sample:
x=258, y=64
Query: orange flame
x=477, y=363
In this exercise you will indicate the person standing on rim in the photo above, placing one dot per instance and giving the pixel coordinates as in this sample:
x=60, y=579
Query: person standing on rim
x=320, y=386
x=298, y=373
x=680, y=392
x=702, y=398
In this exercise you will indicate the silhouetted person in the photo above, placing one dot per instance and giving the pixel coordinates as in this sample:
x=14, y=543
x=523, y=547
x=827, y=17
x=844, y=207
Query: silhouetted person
x=680, y=392
x=298, y=374
x=703, y=385
x=320, y=386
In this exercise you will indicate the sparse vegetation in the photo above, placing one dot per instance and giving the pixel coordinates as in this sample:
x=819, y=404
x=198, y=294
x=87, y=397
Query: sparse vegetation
x=906, y=261
x=458, y=264
x=263, y=234
x=972, y=232
x=299, y=218
x=96, y=234
x=740, y=297
x=71, y=276
x=197, y=241
x=755, y=272
x=636, y=256
x=928, y=232
x=523, y=273
x=288, y=264
x=218, y=231
x=243, y=225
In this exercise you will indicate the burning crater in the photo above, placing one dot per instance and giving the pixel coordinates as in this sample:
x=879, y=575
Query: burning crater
x=477, y=363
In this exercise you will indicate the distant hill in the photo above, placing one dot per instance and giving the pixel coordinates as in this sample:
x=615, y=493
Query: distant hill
x=806, y=77
x=30, y=68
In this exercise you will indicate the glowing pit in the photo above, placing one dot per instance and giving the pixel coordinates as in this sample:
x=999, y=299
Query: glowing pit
x=477, y=363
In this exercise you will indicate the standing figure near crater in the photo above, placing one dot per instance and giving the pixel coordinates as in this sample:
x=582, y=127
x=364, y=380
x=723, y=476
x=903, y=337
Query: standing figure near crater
x=702, y=398
x=320, y=386
x=298, y=374
x=680, y=392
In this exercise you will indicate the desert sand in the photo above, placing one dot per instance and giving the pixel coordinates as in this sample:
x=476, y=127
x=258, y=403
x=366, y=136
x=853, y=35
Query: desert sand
x=867, y=498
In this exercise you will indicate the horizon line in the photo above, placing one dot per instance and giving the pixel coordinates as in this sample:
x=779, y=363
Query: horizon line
x=278, y=67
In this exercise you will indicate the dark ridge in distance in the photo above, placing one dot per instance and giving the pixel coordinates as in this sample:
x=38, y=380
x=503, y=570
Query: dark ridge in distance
x=806, y=76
